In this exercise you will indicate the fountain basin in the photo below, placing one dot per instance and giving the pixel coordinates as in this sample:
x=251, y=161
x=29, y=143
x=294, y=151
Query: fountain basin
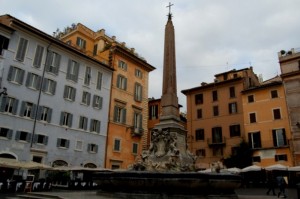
x=167, y=182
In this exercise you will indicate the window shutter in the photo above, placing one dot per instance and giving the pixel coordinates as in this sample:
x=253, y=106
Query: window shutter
x=21, y=49
x=274, y=138
x=49, y=115
x=124, y=116
x=85, y=124
x=91, y=125
x=94, y=100
x=61, y=118
x=99, y=81
x=57, y=63
x=141, y=122
x=21, y=77
x=88, y=98
x=3, y=103
x=73, y=94
x=39, y=112
x=69, y=69
x=15, y=106
x=67, y=143
x=125, y=83
x=98, y=127
x=65, y=91
x=22, y=109
x=284, y=136
x=45, y=140
x=9, y=134
x=44, y=86
x=116, y=114
x=70, y=120
x=89, y=148
x=34, y=107
x=77, y=65
x=118, y=81
x=48, y=60
x=96, y=148
x=53, y=88
x=38, y=82
x=100, y=102
x=9, y=76
x=29, y=77
x=250, y=140
x=58, y=142
x=38, y=56
x=35, y=138
x=28, y=137
x=18, y=133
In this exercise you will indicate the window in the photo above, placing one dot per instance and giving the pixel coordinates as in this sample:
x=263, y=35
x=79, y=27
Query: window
x=122, y=82
x=99, y=81
x=135, y=147
x=235, y=130
x=3, y=44
x=138, y=122
x=33, y=81
x=232, y=107
x=28, y=110
x=22, y=47
x=83, y=121
x=256, y=159
x=37, y=159
x=95, y=126
x=87, y=76
x=217, y=135
x=199, y=113
x=117, y=145
x=254, y=140
x=53, y=62
x=69, y=93
x=38, y=56
x=49, y=86
x=153, y=112
x=40, y=139
x=79, y=145
x=232, y=92
x=279, y=137
x=274, y=94
x=86, y=98
x=81, y=42
x=215, y=110
x=138, y=73
x=9, y=105
x=120, y=115
x=92, y=148
x=276, y=114
x=215, y=95
x=15, y=75
x=5, y=133
x=97, y=102
x=252, y=117
x=199, y=134
x=95, y=50
x=73, y=70
x=122, y=65
x=199, y=99
x=62, y=143
x=200, y=152
x=138, y=90
x=66, y=119
x=44, y=114
x=281, y=157
x=250, y=98
x=217, y=151
x=23, y=136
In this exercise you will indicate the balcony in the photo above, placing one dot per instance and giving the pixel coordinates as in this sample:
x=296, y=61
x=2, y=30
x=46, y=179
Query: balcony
x=221, y=142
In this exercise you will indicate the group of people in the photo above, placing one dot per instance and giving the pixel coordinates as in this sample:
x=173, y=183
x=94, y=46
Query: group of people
x=280, y=181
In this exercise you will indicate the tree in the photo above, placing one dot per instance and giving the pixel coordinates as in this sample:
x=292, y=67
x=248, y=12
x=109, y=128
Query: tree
x=242, y=158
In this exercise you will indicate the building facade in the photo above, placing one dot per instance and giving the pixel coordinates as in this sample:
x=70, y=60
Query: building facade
x=215, y=121
x=266, y=123
x=57, y=103
x=290, y=74
x=128, y=116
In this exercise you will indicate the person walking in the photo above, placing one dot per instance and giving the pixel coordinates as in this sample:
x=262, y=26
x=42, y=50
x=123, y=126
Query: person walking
x=271, y=183
x=281, y=184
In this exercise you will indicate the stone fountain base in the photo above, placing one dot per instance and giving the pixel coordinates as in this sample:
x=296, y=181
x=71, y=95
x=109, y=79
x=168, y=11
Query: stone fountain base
x=189, y=183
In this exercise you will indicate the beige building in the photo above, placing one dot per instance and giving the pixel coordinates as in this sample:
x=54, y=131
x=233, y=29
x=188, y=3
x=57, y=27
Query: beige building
x=266, y=123
x=128, y=115
x=215, y=120
x=290, y=74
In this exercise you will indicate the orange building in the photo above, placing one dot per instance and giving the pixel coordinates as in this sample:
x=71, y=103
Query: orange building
x=128, y=115
x=266, y=123
x=215, y=120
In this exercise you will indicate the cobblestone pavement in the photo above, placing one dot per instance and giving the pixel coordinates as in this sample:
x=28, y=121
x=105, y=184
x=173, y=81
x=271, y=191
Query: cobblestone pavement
x=244, y=193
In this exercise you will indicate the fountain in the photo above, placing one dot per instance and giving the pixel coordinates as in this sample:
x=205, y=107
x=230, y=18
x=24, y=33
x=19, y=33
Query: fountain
x=167, y=166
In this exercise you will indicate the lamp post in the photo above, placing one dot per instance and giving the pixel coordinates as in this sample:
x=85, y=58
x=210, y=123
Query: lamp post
x=3, y=92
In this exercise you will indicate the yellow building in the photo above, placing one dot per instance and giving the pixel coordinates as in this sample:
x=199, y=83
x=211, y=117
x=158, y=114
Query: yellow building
x=215, y=120
x=266, y=123
x=128, y=115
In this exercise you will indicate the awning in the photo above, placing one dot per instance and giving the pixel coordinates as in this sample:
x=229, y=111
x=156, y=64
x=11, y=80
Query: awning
x=15, y=164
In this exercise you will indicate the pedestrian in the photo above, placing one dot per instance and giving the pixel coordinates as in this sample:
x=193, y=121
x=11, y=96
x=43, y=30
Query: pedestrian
x=271, y=183
x=281, y=184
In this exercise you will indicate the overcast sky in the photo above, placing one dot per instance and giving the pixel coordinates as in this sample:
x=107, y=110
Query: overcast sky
x=212, y=36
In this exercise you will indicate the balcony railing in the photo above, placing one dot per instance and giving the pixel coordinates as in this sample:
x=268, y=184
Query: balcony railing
x=216, y=142
x=137, y=131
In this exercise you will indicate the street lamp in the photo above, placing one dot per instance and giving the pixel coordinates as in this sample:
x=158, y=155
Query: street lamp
x=3, y=92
